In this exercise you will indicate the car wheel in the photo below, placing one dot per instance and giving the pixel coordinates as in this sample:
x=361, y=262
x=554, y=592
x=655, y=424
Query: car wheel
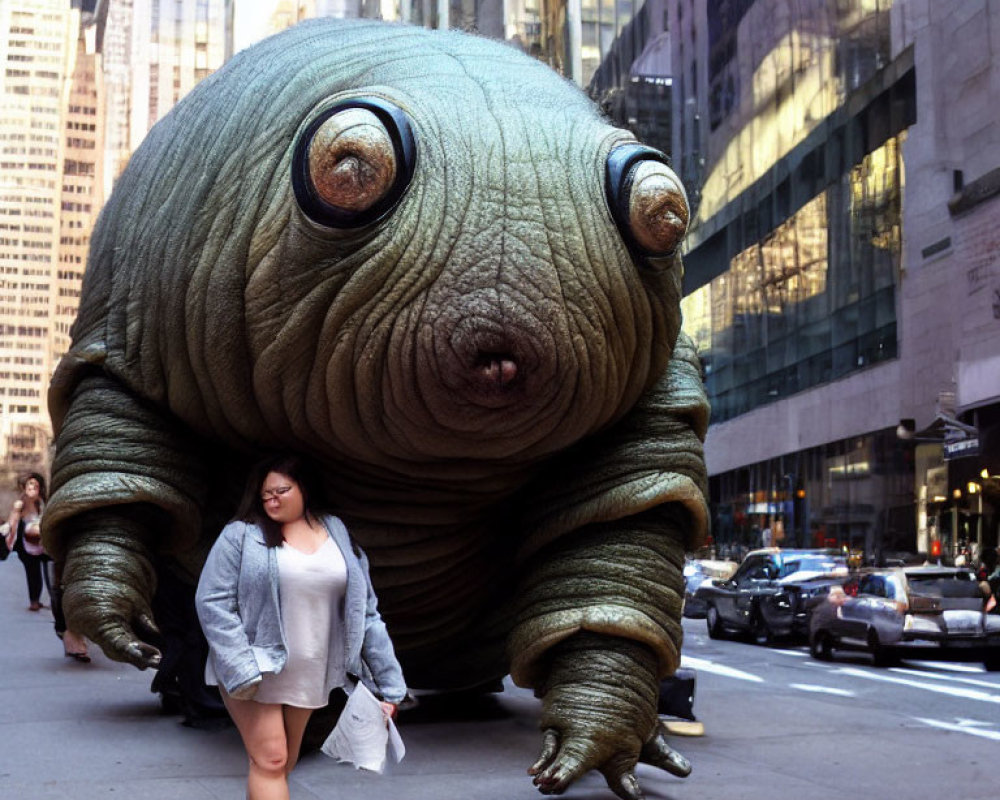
x=881, y=656
x=821, y=646
x=992, y=662
x=762, y=634
x=715, y=630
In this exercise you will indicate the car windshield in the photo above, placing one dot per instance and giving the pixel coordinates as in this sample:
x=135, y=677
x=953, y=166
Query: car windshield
x=812, y=563
x=957, y=585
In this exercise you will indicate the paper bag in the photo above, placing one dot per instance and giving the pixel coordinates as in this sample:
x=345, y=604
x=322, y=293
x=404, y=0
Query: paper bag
x=361, y=736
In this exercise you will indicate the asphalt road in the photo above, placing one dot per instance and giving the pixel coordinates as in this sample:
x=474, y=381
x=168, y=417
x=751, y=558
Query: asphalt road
x=778, y=726
x=924, y=729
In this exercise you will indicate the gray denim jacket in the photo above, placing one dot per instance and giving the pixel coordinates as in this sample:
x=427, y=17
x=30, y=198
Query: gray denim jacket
x=239, y=610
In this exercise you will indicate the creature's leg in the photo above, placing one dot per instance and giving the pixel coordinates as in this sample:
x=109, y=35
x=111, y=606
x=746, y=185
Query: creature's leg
x=127, y=480
x=604, y=608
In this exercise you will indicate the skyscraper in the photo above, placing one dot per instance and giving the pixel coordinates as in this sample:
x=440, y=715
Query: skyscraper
x=38, y=41
x=154, y=53
x=82, y=181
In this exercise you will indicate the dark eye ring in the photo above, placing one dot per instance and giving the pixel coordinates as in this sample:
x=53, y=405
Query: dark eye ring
x=310, y=196
x=646, y=200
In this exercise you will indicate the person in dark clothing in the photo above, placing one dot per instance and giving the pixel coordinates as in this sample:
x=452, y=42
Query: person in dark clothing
x=24, y=536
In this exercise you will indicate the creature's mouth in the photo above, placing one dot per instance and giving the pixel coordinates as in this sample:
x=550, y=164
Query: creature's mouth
x=495, y=371
x=488, y=364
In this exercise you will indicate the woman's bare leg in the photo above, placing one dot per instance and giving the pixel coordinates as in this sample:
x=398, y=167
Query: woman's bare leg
x=295, y=728
x=262, y=728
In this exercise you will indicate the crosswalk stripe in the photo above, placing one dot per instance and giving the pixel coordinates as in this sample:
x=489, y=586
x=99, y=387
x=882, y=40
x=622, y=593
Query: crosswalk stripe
x=947, y=666
x=950, y=726
x=808, y=687
x=969, y=694
x=952, y=678
x=719, y=669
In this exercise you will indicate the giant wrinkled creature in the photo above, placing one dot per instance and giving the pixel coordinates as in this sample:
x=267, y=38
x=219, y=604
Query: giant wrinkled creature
x=426, y=261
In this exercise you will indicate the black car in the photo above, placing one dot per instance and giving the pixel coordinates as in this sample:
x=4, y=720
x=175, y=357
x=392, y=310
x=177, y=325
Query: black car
x=698, y=571
x=772, y=593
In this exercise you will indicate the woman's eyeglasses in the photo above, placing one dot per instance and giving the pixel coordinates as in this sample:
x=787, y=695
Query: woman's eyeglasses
x=269, y=494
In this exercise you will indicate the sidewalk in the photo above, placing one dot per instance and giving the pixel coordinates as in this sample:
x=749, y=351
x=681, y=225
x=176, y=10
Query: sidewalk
x=70, y=731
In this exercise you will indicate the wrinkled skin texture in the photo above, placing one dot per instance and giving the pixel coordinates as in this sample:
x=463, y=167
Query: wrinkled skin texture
x=488, y=371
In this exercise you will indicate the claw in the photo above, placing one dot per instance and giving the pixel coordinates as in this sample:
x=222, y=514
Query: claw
x=556, y=779
x=628, y=787
x=558, y=776
x=125, y=646
x=658, y=753
x=141, y=654
x=147, y=626
x=550, y=744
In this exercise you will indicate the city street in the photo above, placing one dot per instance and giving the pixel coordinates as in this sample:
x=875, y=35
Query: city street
x=778, y=726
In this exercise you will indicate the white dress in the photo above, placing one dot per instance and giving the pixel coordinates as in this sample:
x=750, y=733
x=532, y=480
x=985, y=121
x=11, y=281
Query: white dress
x=311, y=590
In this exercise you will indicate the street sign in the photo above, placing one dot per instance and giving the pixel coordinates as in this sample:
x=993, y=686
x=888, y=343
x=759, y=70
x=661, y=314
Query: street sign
x=961, y=448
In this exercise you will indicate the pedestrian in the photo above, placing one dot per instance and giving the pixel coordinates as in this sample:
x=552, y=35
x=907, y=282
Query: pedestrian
x=74, y=644
x=24, y=536
x=289, y=612
x=766, y=537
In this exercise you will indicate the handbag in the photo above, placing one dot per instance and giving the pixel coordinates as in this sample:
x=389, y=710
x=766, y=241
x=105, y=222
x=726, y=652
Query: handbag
x=31, y=535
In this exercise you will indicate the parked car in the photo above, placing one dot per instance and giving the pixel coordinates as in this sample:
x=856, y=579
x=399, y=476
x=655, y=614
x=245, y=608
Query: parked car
x=772, y=593
x=696, y=572
x=909, y=608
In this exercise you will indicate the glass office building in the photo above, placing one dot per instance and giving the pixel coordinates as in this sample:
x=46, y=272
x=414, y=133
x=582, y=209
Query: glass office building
x=812, y=300
x=789, y=128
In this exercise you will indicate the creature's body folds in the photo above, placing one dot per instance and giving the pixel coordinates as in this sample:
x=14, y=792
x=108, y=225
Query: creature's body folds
x=426, y=261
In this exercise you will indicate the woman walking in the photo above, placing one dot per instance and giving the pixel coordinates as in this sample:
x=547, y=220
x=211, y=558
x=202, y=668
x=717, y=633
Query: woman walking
x=25, y=537
x=287, y=606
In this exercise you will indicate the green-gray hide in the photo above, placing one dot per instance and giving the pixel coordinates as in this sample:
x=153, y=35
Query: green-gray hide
x=488, y=371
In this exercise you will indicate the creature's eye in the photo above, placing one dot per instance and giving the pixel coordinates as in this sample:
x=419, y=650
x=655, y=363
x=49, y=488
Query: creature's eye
x=353, y=163
x=646, y=199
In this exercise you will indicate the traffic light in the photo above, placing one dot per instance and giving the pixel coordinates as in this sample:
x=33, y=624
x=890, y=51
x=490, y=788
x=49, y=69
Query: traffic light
x=936, y=548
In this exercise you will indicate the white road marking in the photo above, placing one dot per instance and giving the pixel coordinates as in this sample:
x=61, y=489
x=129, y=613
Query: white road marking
x=718, y=669
x=960, y=728
x=797, y=653
x=969, y=694
x=808, y=687
x=973, y=723
x=923, y=674
x=948, y=666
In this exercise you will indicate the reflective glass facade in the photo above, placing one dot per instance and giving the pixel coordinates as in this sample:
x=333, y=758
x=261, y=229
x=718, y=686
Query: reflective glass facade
x=810, y=302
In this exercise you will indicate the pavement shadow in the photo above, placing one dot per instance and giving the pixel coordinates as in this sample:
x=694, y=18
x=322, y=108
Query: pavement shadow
x=455, y=707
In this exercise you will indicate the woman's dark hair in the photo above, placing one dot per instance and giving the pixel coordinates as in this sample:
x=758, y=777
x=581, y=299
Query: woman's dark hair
x=251, y=508
x=23, y=482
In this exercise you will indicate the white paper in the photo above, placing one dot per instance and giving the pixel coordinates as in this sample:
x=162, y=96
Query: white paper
x=361, y=736
x=396, y=747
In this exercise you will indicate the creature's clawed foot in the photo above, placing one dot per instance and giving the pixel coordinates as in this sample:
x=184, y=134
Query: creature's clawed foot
x=656, y=752
x=562, y=762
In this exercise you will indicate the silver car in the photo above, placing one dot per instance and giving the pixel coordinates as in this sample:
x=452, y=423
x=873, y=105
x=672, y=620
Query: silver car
x=894, y=610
